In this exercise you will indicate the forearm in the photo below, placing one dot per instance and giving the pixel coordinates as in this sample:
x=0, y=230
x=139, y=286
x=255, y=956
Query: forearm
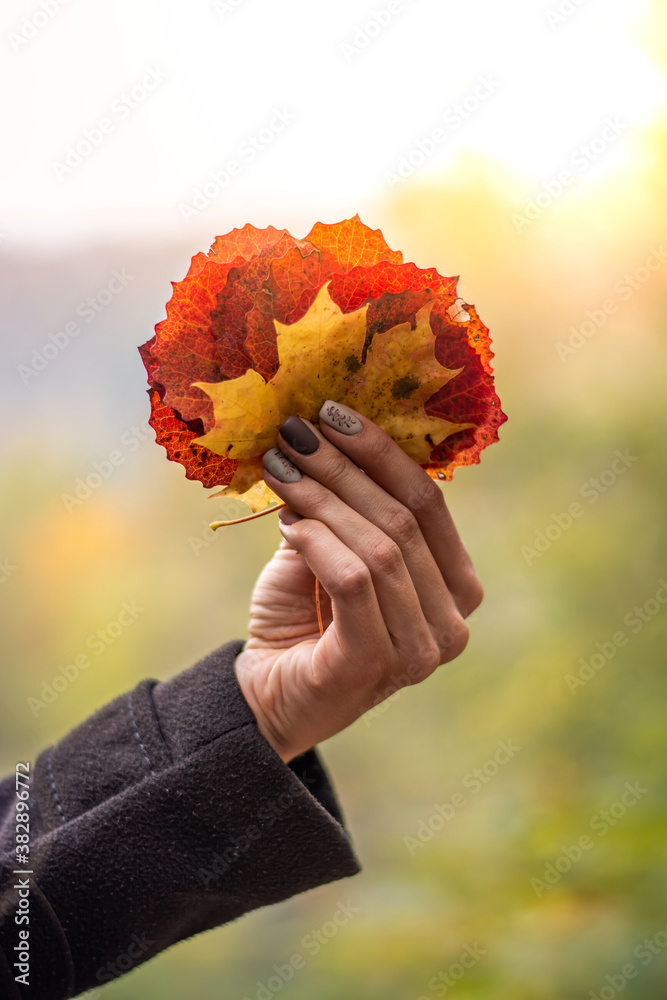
x=163, y=815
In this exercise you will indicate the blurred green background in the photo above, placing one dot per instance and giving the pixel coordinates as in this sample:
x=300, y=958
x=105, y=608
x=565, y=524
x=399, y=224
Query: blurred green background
x=545, y=670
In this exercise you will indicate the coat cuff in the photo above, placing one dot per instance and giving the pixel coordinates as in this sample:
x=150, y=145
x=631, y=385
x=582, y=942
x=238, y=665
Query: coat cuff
x=152, y=727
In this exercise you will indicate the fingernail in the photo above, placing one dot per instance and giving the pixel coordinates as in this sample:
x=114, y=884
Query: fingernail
x=280, y=466
x=299, y=436
x=339, y=417
x=289, y=516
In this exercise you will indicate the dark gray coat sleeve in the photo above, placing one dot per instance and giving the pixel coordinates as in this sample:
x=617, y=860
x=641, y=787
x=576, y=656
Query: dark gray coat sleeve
x=164, y=814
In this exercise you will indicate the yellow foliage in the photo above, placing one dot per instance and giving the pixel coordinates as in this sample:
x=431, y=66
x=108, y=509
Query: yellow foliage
x=321, y=358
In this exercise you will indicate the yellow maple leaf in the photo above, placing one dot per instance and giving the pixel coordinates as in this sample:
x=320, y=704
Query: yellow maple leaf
x=320, y=357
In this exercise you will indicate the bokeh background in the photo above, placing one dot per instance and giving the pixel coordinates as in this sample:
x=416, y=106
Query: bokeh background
x=570, y=278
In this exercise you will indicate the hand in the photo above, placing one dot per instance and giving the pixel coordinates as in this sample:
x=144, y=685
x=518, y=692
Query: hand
x=396, y=582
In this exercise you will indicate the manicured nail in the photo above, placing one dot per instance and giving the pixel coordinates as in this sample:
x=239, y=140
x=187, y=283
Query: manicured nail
x=340, y=418
x=289, y=516
x=299, y=436
x=280, y=466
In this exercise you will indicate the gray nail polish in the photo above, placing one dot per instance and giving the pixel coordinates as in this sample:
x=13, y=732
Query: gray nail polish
x=280, y=466
x=339, y=417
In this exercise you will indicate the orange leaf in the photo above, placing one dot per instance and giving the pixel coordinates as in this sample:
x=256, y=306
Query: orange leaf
x=217, y=355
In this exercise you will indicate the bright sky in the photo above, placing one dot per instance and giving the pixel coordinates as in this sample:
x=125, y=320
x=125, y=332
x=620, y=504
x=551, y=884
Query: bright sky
x=341, y=91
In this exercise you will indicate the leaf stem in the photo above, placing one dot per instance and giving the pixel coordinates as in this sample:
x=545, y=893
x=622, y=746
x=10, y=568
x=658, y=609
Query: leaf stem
x=317, y=601
x=249, y=517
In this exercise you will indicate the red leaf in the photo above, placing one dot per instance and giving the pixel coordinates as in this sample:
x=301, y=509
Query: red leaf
x=220, y=323
x=352, y=244
x=186, y=348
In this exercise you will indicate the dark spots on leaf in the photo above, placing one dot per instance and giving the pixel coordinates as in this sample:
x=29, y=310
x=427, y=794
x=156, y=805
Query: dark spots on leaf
x=404, y=387
x=352, y=364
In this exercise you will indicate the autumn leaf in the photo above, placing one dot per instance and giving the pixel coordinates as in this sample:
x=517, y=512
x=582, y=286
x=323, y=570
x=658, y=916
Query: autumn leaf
x=266, y=325
x=321, y=357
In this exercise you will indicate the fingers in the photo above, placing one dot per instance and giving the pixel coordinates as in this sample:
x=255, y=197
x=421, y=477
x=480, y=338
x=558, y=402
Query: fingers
x=420, y=615
x=332, y=469
x=360, y=647
x=372, y=555
x=372, y=450
x=407, y=505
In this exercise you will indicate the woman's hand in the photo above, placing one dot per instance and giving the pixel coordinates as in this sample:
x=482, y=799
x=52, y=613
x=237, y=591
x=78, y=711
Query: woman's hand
x=396, y=582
